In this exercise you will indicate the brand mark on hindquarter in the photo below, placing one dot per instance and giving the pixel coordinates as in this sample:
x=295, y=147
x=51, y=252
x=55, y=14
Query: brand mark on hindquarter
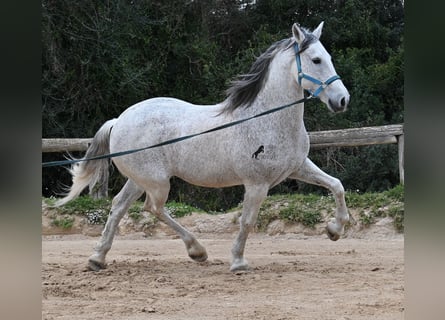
x=256, y=153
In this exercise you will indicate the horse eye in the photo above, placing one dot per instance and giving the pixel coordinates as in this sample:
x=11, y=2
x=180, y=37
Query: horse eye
x=316, y=60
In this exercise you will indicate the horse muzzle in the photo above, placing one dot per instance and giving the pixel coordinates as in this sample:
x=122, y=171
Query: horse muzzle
x=339, y=105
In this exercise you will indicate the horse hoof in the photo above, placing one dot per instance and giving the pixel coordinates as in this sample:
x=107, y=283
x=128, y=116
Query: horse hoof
x=197, y=252
x=201, y=257
x=95, y=265
x=332, y=236
x=239, y=266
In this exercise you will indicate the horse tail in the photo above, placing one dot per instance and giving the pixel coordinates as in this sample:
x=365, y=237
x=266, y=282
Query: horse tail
x=88, y=173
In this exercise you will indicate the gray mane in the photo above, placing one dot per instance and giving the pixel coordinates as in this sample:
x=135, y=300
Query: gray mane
x=245, y=89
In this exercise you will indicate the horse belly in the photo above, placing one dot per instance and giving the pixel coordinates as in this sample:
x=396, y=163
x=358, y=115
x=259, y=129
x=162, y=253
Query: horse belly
x=203, y=163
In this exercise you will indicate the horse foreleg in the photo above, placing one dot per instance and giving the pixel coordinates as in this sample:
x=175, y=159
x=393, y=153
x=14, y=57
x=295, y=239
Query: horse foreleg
x=154, y=202
x=120, y=204
x=310, y=173
x=253, y=198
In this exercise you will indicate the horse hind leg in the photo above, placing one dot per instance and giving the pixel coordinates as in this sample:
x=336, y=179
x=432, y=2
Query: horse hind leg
x=120, y=204
x=155, y=203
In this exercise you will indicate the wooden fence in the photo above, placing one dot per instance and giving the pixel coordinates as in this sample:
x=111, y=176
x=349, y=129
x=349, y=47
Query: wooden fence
x=319, y=139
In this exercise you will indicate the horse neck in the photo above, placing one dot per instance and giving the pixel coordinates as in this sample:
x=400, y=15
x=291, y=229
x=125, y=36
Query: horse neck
x=280, y=88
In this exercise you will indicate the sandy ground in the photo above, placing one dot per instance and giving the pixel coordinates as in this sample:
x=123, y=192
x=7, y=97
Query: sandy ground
x=291, y=277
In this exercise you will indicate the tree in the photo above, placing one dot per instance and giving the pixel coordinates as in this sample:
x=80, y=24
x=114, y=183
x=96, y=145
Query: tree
x=99, y=57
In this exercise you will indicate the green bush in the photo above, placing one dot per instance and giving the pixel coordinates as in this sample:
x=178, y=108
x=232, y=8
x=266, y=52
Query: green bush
x=92, y=71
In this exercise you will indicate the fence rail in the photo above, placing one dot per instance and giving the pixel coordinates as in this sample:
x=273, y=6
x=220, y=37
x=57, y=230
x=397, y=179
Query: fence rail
x=319, y=139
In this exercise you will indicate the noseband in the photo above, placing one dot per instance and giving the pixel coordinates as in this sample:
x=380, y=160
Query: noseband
x=301, y=75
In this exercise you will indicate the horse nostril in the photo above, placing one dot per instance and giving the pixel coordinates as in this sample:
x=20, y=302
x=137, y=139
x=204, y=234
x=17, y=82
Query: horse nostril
x=338, y=105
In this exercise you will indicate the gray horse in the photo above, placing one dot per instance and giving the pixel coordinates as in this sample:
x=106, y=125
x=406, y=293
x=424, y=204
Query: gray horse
x=258, y=154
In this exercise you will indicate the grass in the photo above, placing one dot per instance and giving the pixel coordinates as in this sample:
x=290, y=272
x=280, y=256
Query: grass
x=308, y=209
x=372, y=205
x=177, y=209
x=80, y=205
x=304, y=209
x=63, y=222
x=96, y=210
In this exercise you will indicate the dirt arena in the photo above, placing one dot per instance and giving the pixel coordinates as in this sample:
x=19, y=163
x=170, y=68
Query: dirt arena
x=292, y=276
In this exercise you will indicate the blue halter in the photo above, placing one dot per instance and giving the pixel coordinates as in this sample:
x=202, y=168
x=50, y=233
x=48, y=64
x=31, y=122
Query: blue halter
x=301, y=75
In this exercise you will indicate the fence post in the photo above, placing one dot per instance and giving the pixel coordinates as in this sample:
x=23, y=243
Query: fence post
x=401, y=146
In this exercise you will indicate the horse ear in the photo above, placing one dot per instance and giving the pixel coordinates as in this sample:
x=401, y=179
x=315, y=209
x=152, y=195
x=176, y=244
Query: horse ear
x=317, y=31
x=297, y=33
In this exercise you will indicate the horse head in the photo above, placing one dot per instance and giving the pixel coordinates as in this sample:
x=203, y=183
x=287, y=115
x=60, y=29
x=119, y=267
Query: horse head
x=315, y=70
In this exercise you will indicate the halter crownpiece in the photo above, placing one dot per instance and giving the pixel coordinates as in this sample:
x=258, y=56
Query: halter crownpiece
x=302, y=75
